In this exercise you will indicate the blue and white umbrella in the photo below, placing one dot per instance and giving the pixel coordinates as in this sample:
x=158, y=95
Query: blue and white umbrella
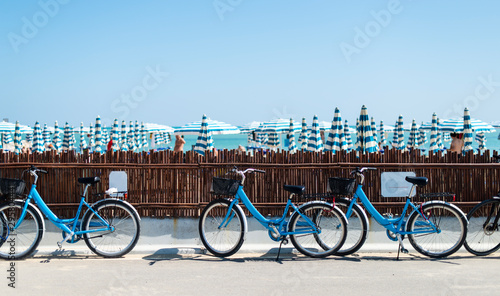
x=336, y=138
x=7, y=138
x=446, y=137
x=115, y=136
x=17, y=138
x=38, y=139
x=304, y=135
x=66, y=138
x=280, y=125
x=365, y=137
x=456, y=125
x=29, y=138
x=413, y=139
x=138, y=138
x=153, y=127
x=292, y=147
x=158, y=139
x=83, y=143
x=422, y=136
x=123, y=140
x=47, y=140
x=395, y=136
x=374, y=130
x=467, y=131
x=91, y=138
x=481, y=139
x=105, y=136
x=315, y=143
x=215, y=127
x=72, y=140
x=144, y=136
x=347, y=135
x=98, y=135
x=273, y=141
x=131, y=137
x=166, y=138
x=401, y=136
x=434, y=134
x=383, y=141
x=204, y=141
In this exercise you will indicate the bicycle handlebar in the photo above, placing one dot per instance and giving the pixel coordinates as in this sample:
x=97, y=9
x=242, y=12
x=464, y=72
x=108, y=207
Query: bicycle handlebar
x=242, y=173
x=361, y=170
x=34, y=169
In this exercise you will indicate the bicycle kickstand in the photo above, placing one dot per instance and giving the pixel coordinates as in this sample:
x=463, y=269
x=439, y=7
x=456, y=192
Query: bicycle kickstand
x=284, y=240
x=401, y=246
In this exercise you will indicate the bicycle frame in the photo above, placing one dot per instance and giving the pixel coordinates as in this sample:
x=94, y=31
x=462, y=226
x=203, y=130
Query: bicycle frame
x=61, y=223
x=269, y=224
x=395, y=225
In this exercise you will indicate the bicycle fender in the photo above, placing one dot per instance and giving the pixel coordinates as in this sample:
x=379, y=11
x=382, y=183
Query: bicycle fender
x=451, y=205
x=113, y=199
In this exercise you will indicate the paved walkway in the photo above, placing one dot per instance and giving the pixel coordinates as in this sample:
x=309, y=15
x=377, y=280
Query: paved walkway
x=253, y=274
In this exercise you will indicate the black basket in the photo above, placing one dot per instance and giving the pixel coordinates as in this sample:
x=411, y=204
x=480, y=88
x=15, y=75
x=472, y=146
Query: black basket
x=11, y=186
x=341, y=186
x=222, y=186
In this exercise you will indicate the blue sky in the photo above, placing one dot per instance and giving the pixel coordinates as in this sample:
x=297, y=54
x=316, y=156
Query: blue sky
x=237, y=61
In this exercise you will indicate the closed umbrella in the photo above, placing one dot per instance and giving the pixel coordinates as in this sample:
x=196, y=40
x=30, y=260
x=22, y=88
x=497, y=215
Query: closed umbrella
x=374, y=130
x=336, y=138
x=365, y=137
x=57, y=141
x=17, y=138
x=138, y=138
x=98, y=135
x=46, y=136
x=481, y=139
x=315, y=144
x=66, y=138
x=72, y=140
x=144, y=136
x=29, y=138
x=38, y=139
x=413, y=139
x=467, y=131
x=347, y=134
x=292, y=147
x=105, y=136
x=401, y=136
x=434, y=134
x=115, y=136
x=83, y=142
x=304, y=135
x=204, y=141
x=131, y=137
x=383, y=141
x=123, y=140
x=422, y=136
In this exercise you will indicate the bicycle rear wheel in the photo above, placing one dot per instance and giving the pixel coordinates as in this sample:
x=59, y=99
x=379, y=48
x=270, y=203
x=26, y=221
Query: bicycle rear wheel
x=357, y=228
x=124, y=233
x=332, y=229
x=20, y=242
x=483, y=235
x=221, y=237
x=451, y=226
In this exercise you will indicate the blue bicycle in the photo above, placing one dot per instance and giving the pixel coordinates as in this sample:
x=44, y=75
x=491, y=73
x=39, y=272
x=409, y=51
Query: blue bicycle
x=434, y=228
x=110, y=227
x=316, y=228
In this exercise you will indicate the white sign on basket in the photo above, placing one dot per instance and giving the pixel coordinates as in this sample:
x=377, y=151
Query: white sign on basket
x=394, y=184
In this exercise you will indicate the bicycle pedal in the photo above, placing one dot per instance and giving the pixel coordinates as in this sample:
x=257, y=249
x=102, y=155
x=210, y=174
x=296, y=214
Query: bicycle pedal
x=59, y=245
x=403, y=250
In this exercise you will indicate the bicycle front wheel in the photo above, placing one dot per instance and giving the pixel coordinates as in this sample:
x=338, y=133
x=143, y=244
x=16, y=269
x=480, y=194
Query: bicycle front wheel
x=483, y=235
x=20, y=242
x=357, y=227
x=122, y=235
x=331, y=230
x=451, y=229
x=221, y=230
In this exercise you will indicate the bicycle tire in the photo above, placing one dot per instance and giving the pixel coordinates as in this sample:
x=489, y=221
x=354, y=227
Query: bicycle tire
x=483, y=239
x=23, y=241
x=126, y=228
x=452, y=229
x=357, y=228
x=330, y=220
x=221, y=241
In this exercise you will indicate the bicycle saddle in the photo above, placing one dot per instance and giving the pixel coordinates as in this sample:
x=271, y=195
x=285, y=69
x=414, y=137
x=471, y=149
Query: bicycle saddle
x=295, y=189
x=420, y=181
x=89, y=180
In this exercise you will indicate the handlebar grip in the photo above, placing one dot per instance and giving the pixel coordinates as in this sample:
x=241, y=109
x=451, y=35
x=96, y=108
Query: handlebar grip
x=42, y=171
x=260, y=171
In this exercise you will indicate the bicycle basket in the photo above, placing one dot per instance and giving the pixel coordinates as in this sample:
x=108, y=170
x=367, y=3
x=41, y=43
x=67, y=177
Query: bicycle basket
x=341, y=186
x=11, y=186
x=222, y=186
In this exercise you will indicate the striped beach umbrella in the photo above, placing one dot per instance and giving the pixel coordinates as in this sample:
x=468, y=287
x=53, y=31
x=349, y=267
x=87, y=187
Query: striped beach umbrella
x=91, y=136
x=401, y=136
x=144, y=136
x=98, y=135
x=72, y=140
x=7, y=138
x=46, y=136
x=273, y=141
x=158, y=139
x=383, y=141
x=315, y=144
x=29, y=137
x=57, y=141
x=434, y=134
x=166, y=138
x=215, y=127
x=347, y=134
x=446, y=137
x=467, y=131
x=66, y=137
x=131, y=137
x=123, y=140
x=292, y=147
x=413, y=139
x=457, y=125
x=422, y=136
x=279, y=125
x=374, y=130
x=204, y=141
x=83, y=142
x=304, y=135
x=336, y=138
x=38, y=139
x=105, y=136
x=395, y=137
x=138, y=138
x=481, y=139
x=17, y=138
x=115, y=136
x=365, y=137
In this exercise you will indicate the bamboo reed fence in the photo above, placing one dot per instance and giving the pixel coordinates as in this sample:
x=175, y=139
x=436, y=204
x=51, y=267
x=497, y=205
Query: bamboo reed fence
x=170, y=184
